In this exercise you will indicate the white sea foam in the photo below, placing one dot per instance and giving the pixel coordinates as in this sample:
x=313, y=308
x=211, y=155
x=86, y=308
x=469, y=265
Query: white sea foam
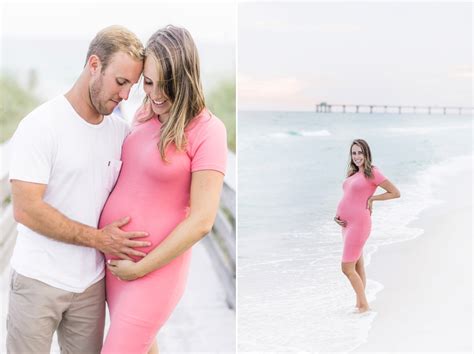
x=423, y=130
x=301, y=133
x=316, y=133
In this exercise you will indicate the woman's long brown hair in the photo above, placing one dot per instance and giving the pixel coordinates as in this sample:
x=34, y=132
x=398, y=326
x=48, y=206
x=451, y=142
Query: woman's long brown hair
x=177, y=59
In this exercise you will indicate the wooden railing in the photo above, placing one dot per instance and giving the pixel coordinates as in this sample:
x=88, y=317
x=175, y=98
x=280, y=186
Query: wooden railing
x=221, y=242
x=7, y=223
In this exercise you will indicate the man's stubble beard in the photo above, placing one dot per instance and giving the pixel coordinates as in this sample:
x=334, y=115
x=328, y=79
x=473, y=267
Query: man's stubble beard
x=94, y=96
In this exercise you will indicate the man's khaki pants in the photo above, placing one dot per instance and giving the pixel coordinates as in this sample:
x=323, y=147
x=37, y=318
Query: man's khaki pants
x=36, y=310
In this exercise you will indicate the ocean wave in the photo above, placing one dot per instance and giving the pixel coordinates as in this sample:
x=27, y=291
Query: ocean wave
x=301, y=133
x=425, y=130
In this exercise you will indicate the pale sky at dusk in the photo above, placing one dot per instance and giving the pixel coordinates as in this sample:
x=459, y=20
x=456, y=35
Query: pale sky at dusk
x=58, y=34
x=293, y=55
x=83, y=18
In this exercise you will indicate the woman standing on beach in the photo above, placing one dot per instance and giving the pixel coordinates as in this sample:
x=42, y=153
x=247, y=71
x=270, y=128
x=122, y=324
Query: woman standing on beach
x=354, y=214
x=173, y=169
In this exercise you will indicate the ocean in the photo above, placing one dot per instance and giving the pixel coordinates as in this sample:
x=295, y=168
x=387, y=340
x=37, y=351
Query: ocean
x=292, y=295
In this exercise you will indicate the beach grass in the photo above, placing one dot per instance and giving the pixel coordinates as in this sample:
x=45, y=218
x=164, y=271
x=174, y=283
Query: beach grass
x=221, y=102
x=15, y=103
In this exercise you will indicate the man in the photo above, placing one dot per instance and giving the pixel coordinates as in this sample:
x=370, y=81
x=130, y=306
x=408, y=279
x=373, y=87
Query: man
x=65, y=161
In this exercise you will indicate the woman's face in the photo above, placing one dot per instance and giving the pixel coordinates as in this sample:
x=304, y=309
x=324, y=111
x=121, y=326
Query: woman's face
x=160, y=103
x=357, y=155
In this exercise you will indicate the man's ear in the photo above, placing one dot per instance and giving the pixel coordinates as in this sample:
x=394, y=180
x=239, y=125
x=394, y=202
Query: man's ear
x=94, y=64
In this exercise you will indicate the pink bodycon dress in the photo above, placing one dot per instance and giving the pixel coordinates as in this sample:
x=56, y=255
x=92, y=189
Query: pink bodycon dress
x=353, y=210
x=156, y=195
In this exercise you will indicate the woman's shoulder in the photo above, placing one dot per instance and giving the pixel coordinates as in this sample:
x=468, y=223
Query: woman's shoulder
x=375, y=169
x=205, y=133
x=204, y=122
x=377, y=176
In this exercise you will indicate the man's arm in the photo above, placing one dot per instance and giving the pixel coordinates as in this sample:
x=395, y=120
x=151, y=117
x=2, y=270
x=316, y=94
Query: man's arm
x=30, y=210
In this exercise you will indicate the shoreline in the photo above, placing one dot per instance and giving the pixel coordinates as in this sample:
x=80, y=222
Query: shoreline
x=426, y=302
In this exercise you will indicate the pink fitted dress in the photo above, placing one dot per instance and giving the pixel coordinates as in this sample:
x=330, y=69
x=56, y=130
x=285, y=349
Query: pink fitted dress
x=353, y=210
x=156, y=195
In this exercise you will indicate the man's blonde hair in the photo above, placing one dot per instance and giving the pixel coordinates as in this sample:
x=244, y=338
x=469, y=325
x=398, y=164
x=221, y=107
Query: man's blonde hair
x=115, y=39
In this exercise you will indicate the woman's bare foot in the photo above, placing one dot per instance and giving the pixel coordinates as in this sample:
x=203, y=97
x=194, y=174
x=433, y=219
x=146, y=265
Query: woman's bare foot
x=363, y=309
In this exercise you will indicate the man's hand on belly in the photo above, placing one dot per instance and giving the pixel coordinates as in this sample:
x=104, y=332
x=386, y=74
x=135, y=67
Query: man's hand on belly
x=116, y=242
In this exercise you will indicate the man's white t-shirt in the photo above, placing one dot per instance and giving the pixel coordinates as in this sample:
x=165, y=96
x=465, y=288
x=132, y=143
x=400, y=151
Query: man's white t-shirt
x=79, y=162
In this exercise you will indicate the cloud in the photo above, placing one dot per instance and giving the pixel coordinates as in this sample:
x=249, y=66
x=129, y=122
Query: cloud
x=461, y=72
x=277, y=92
x=338, y=28
x=284, y=26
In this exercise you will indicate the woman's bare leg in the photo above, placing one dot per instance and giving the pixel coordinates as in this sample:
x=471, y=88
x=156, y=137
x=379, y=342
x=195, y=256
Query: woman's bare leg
x=154, y=348
x=349, y=270
x=360, y=269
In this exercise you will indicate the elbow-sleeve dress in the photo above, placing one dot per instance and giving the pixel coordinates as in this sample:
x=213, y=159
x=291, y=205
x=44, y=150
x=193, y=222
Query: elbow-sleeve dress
x=353, y=210
x=156, y=195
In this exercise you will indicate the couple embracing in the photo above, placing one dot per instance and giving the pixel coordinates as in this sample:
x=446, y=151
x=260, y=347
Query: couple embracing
x=109, y=213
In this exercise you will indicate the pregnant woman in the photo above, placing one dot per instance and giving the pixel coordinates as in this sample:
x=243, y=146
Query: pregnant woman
x=173, y=168
x=354, y=214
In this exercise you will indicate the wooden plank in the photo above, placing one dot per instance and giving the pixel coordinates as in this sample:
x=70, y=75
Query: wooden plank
x=5, y=188
x=228, y=199
x=225, y=232
x=4, y=168
x=225, y=274
x=7, y=236
x=7, y=225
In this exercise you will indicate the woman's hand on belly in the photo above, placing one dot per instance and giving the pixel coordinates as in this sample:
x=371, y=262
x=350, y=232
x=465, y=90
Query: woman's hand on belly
x=124, y=269
x=340, y=222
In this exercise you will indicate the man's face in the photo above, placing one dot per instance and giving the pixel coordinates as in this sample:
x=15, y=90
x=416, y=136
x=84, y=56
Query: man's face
x=107, y=88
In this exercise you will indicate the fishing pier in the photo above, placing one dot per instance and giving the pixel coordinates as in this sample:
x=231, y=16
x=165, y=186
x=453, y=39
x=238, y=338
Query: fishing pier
x=325, y=107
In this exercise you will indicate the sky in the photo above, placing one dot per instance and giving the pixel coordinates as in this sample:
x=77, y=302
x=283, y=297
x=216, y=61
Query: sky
x=52, y=37
x=290, y=55
x=294, y=55
x=211, y=21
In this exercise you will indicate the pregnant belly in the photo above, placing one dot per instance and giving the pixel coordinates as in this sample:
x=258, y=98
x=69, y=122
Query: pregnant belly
x=351, y=211
x=146, y=217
